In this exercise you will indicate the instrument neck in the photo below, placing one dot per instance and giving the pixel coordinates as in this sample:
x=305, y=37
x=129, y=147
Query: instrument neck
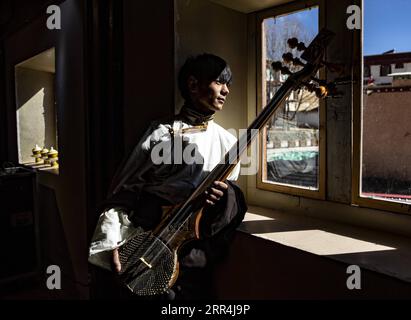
x=222, y=170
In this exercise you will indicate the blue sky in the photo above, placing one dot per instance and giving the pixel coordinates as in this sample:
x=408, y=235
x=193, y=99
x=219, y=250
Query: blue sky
x=387, y=25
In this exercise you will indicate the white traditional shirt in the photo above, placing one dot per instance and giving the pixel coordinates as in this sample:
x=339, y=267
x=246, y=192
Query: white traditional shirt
x=158, y=155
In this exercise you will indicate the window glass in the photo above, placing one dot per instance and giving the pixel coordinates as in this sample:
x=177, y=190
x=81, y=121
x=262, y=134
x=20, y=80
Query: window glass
x=386, y=108
x=291, y=145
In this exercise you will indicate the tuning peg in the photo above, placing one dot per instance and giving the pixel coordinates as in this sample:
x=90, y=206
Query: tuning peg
x=285, y=70
x=321, y=91
x=292, y=42
x=298, y=62
x=301, y=46
x=277, y=65
x=288, y=57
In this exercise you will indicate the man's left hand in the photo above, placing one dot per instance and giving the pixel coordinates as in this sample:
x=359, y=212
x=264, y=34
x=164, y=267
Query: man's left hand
x=216, y=192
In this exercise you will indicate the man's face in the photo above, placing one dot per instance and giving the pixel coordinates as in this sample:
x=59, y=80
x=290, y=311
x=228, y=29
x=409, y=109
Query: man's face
x=211, y=97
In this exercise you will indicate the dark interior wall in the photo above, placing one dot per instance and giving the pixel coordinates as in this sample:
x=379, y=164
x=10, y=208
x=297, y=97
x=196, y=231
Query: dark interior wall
x=14, y=15
x=130, y=64
x=131, y=69
x=259, y=269
x=3, y=117
x=148, y=65
x=104, y=64
x=69, y=187
x=101, y=113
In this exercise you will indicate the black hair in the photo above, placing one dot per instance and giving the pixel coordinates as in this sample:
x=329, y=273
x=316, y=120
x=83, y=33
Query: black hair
x=205, y=68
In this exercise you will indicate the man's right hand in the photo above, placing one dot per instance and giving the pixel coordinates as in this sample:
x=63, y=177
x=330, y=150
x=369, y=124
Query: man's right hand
x=116, y=261
x=216, y=192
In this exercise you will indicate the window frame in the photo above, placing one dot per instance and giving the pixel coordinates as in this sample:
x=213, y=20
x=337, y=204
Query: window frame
x=289, y=189
x=358, y=73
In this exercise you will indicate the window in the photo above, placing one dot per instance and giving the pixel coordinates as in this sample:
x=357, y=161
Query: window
x=385, y=70
x=36, y=111
x=292, y=141
x=383, y=135
x=399, y=65
x=367, y=71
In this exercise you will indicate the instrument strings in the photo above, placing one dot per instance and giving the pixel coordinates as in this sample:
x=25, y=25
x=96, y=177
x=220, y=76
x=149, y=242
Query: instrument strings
x=185, y=212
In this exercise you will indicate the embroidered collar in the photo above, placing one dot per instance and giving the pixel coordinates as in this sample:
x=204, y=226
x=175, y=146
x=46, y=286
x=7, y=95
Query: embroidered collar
x=194, y=117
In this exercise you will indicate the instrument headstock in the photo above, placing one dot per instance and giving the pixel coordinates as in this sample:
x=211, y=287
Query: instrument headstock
x=313, y=55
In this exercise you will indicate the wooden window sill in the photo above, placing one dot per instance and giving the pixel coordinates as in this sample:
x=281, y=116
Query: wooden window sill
x=373, y=250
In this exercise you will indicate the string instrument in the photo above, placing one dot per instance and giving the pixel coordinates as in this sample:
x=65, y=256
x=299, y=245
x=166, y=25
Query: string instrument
x=149, y=259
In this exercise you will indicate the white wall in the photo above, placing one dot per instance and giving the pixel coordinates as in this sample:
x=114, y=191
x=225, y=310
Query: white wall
x=36, y=117
x=375, y=72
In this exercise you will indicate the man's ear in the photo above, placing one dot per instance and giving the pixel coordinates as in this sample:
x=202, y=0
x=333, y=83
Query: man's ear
x=192, y=84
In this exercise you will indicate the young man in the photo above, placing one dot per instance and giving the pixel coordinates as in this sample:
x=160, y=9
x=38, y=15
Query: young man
x=161, y=172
